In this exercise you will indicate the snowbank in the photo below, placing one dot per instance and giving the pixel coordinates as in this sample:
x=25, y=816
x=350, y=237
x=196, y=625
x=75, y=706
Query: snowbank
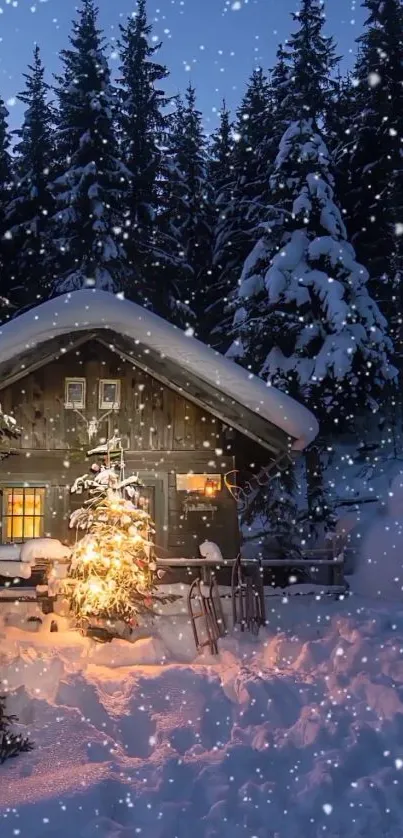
x=379, y=571
x=98, y=309
x=296, y=734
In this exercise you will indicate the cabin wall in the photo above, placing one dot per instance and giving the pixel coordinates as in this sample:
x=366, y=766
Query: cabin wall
x=163, y=433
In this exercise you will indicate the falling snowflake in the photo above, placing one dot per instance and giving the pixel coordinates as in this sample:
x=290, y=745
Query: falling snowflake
x=374, y=79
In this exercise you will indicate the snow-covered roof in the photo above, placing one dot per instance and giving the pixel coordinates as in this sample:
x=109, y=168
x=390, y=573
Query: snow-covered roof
x=92, y=309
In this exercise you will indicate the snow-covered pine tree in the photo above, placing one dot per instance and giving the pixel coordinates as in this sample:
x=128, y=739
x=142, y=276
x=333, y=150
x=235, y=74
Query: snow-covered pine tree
x=375, y=200
x=31, y=206
x=339, y=132
x=272, y=512
x=6, y=246
x=221, y=151
x=306, y=321
x=91, y=185
x=187, y=214
x=280, y=78
x=143, y=125
x=11, y=744
x=220, y=176
x=244, y=201
x=311, y=59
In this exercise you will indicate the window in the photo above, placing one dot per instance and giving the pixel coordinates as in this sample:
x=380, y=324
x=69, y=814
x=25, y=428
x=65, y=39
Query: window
x=202, y=484
x=74, y=393
x=109, y=394
x=23, y=513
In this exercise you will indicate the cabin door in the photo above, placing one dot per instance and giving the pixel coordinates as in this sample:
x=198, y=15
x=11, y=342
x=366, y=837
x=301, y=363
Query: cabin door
x=154, y=492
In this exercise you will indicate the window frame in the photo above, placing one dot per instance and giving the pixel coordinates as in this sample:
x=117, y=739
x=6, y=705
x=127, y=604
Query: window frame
x=69, y=405
x=104, y=405
x=198, y=474
x=6, y=489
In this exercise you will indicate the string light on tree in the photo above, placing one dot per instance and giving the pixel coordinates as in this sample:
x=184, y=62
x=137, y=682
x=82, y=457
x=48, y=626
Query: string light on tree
x=113, y=570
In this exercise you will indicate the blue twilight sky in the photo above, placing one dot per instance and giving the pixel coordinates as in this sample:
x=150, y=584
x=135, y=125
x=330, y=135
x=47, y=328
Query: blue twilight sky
x=216, y=43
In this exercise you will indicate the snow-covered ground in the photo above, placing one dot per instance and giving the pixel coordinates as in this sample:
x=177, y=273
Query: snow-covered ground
x=297, y=733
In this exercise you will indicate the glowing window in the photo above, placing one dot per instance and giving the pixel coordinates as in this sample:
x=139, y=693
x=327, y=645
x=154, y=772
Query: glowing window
x=203, y=484
x=23, y=513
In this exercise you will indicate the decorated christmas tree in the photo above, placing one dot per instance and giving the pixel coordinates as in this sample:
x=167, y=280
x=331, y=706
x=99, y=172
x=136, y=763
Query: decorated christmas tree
x=113, y=571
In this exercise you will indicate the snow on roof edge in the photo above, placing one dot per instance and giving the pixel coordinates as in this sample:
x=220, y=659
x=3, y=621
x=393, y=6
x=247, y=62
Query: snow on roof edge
x=88, y=309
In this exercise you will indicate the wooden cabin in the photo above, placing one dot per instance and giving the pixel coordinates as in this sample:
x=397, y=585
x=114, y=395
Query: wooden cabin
x=78, y=368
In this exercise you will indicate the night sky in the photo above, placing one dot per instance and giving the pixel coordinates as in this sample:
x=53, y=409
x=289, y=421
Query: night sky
x=216, y=43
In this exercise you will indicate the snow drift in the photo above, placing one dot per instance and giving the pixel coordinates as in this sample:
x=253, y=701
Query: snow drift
x=297, y=734
x=379, y=571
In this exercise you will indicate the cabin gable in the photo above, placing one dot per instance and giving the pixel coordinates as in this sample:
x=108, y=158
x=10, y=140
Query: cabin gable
x=164, y=435
x=150, y=416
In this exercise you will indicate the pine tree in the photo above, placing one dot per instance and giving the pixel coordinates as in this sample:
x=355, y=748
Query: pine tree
x=306, y=321
x=31, y=207
x=280, y=80
x=6, y=247
x=339, y=131
x=187, y=214
x=221, y=152
x=244, y=201
x=92, y=182
x=272, y=510
x=375, y=201
x=312, y=59
x=11, y=744
x=143, y=127
x=220, y=175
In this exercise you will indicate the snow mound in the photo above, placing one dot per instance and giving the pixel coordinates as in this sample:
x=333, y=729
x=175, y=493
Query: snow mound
x=379, y=572
x=145, y=651
x=296, y=733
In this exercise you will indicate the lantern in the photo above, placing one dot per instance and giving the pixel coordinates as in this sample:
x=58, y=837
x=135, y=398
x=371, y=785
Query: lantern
x=211, y=487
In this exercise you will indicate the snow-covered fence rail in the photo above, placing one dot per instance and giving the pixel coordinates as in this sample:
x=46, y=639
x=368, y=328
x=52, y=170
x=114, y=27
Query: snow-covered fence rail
x=310, y=563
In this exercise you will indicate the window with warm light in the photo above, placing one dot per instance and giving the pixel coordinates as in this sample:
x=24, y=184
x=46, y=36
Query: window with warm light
x=23, y=513
x=201, y=484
